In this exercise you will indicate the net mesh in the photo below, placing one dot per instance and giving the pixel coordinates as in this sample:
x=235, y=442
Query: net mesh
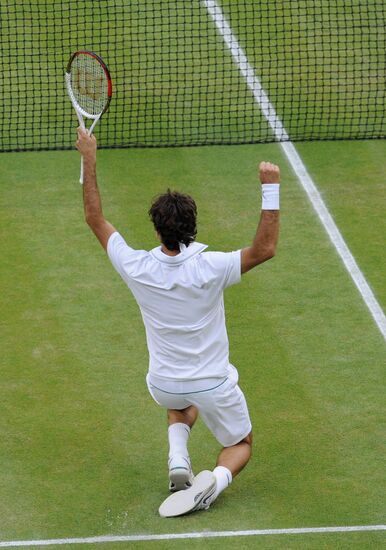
x=321, y=63
x=89, y=85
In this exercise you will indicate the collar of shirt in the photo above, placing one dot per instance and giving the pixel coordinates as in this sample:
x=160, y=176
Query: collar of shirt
x=186, y=252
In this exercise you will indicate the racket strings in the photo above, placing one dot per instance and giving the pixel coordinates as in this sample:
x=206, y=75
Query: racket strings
x=89, y=84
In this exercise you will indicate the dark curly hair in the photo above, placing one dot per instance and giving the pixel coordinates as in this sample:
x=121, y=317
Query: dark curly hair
x=174, y=217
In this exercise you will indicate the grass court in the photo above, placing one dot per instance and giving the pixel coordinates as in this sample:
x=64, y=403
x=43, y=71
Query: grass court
x=83, y=447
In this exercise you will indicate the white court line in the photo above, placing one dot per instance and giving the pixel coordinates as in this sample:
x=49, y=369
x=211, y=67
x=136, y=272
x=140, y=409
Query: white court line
x=297, y=164
x=198, y=535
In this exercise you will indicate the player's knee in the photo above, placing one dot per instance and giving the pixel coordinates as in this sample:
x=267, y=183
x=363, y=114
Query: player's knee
x=186, y=416
x=248, y=439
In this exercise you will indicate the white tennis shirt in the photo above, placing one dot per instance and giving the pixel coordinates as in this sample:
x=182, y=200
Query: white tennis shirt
x=182, y=306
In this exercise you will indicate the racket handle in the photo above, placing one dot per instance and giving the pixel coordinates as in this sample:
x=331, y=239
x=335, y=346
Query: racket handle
x=81, y=171
x=89, y=131
x=82, y=125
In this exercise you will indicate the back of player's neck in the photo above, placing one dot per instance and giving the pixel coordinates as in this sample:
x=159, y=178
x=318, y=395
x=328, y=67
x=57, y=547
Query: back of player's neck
x=169, y=252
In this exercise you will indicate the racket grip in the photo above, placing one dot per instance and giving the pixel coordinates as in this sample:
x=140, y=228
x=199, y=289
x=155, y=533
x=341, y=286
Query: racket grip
x=81, y=171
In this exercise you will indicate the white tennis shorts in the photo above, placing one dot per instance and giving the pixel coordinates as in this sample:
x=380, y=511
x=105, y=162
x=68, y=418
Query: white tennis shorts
x=223, y=408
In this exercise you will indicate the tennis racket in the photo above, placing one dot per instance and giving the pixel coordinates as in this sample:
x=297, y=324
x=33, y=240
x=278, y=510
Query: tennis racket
x=89, y=87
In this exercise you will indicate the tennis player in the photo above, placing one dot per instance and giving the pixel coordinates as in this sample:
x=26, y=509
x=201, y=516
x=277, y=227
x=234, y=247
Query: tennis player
x=179, y=289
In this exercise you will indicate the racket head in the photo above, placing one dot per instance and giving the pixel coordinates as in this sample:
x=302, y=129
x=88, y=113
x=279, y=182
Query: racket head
x=89, y=83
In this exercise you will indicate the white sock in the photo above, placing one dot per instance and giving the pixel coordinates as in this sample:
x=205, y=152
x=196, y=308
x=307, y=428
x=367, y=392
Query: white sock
x=223, y=478
x=178, y=439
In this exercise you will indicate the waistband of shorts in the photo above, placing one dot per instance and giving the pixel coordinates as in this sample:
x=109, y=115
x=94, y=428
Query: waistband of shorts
x=185, y=386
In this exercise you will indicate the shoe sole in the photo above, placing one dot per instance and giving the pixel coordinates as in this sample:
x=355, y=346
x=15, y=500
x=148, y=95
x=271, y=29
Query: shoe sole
x=196, y=497
x=180, y=479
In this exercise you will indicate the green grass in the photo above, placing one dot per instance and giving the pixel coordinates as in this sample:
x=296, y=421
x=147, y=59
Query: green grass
x=353, y=186
x=294, y=542
x=318, y=63
x=83, y=447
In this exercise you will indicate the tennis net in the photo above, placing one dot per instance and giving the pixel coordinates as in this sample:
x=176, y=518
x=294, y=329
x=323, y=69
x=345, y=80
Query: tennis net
x=321, y=63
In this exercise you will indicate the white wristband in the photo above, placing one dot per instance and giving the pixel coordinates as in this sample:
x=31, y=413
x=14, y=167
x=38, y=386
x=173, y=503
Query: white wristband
x=270, y=196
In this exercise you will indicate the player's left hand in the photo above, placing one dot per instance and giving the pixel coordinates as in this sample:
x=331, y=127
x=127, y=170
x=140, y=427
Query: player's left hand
x=86, y=144
x=269, y=173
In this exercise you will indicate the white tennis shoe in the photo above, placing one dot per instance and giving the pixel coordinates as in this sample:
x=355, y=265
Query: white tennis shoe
x=180, y=473
x=198, y=497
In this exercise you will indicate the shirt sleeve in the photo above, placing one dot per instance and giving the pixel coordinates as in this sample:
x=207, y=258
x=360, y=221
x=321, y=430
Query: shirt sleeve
x=227, y=267
x=120, y=254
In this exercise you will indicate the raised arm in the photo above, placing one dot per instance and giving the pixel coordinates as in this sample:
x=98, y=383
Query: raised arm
x=87, y=147
x=263, y=247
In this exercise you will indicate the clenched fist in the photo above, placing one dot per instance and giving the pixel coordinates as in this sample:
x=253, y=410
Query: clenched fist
x=269, y=173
